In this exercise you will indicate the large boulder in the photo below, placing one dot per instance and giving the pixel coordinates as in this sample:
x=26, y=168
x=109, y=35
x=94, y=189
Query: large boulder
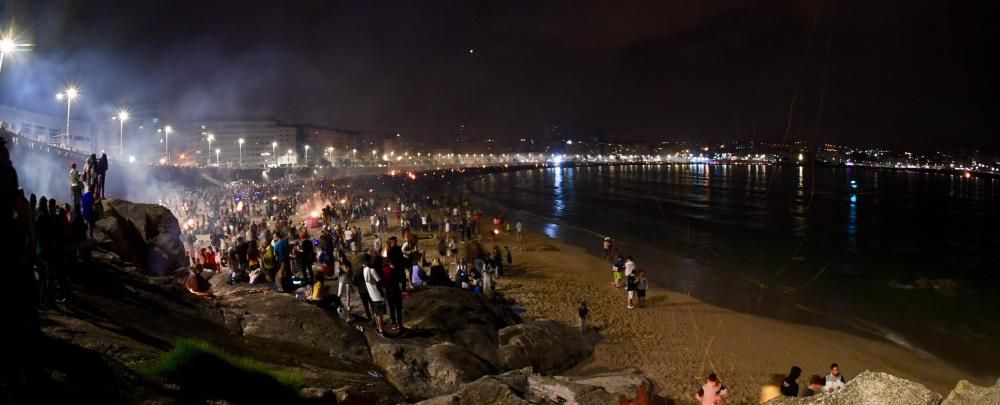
x=486, y=390
x=262, y=313
x=458, y=316
x=146, y=234
x=966, y=393
x=421, y=373
x=628, y=386
x=544, y=345
x=522, y=386
x=870, y=388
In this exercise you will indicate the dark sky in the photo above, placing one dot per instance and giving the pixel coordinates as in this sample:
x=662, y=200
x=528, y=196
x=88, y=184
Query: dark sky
x=900, y=73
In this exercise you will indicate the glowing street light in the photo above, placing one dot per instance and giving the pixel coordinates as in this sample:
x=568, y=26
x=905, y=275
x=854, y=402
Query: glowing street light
x=9, y=45
x=217, y=152
x=122, y=117
x=274, y=145
x=210, y=138
x=69, y=94
x=241, y=151
x=306, y=163
x=166, y=143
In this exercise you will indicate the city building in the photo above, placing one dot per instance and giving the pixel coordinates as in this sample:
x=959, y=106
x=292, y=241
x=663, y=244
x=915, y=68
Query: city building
x=265, y=142
x=48, y=128
x=329, y=144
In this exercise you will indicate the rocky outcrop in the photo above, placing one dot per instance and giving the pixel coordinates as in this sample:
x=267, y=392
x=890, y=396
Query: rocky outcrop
x=628, y=386
x=966, y=393
x=522, y=386
x=544, y=345
x=259, y=312
x=870, y=388
x=146, y=234
x=458, y=316
x=421, y=373
x=487, y=390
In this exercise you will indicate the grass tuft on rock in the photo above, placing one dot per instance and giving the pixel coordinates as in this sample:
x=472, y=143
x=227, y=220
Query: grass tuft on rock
x=205, y=371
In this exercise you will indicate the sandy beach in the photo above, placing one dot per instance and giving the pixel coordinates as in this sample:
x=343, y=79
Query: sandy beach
x=678, y=340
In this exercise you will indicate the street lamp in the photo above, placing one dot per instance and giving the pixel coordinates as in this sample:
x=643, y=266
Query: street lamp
x=210, y=138
x=166, y=143
x=306, y=162
x=217, y=152
x=241, y=151
x=274, y=145
x=8, y=45
x=122, y=117
x=69, y=94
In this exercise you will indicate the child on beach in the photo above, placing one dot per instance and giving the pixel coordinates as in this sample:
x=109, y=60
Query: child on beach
x=713, y=392
x=641, y=285
x=583, y=313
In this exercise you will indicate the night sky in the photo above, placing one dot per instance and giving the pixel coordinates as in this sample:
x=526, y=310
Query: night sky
x=914, y=74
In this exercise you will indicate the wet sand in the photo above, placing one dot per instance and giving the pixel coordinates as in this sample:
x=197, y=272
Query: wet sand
x=678, y=340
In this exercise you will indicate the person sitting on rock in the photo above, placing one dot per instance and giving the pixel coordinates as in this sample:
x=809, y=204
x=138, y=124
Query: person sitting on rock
x=834, y=381
x=196, y=284
x=815, y=386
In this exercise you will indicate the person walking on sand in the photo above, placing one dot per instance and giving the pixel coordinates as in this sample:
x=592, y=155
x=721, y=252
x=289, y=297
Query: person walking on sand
x=630, y=287
x=629, y=266
x=616, y=272
x=583, y=313
x=607, y=248
x=519, y=228
x=713, y=392
x=640, y=288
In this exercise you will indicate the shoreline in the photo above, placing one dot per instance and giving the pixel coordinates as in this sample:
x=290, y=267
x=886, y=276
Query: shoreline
x=677, y=339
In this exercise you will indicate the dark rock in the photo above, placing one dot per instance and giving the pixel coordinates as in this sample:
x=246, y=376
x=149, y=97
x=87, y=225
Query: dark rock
x=544, y=345
x=145, y=234
x=629, y=386
x=870, y=388
x=282, y=317
x=486, y=390
x=971, y=394
x=421, y=373
x=459, y=316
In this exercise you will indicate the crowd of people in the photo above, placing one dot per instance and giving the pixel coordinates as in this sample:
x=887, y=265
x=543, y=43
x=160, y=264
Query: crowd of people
x=309, y=238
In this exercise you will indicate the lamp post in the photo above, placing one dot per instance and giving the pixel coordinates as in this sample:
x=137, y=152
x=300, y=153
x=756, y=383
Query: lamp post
x=241, y=151
x=69, y=94
x=210, y=138
x=9, y=45
x=217, y=152
x=274, y=145
x=306, y=162
x=122, y=117
x=166, y=143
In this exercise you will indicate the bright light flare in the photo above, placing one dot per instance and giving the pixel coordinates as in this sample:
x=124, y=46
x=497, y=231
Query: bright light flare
x=314, y=214
x=123, y=115
x=239, y=206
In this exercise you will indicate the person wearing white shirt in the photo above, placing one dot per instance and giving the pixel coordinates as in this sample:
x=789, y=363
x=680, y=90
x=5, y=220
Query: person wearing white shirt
x=372, y=278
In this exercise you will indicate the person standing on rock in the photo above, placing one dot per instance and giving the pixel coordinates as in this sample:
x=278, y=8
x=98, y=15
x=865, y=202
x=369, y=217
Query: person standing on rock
x=283, y=278
x=358, y=280
x=75, y=185
x=372, y=279
x=102, y=171
x=395, y=283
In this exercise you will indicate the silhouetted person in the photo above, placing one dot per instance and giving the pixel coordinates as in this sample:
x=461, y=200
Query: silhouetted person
x=790, y=385
x=19, y=369
x=102, y=172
